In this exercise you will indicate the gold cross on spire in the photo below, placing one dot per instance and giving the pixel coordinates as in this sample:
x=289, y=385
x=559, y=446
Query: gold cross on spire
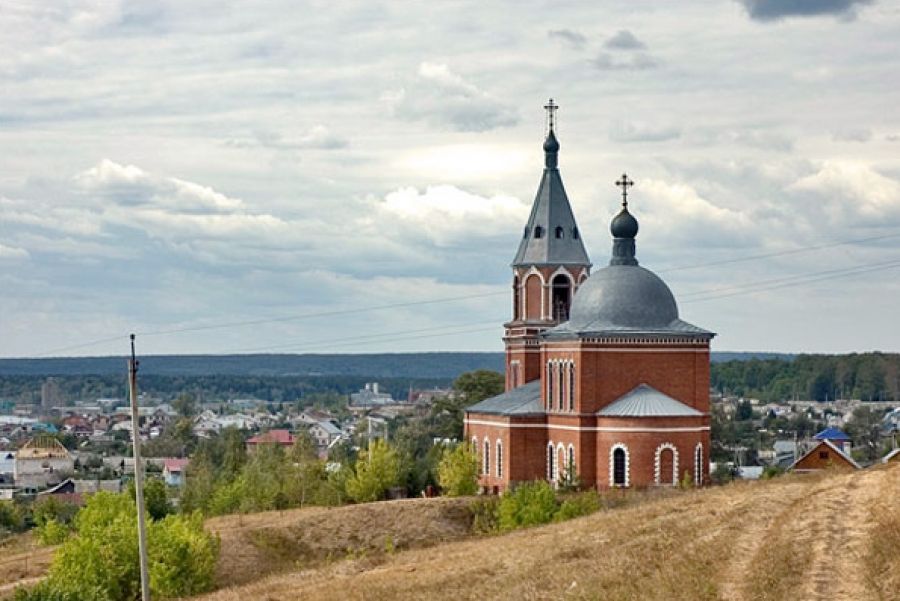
x=551, y=108
x=624, y=183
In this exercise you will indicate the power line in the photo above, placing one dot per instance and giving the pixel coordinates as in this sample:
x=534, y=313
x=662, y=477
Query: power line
x=782, y=253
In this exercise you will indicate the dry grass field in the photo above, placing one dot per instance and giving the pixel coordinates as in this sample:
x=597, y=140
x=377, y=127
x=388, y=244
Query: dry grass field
x=829, y=536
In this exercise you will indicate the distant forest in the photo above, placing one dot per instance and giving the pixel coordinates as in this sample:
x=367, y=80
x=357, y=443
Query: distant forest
x=867, y=376
x=288, y=378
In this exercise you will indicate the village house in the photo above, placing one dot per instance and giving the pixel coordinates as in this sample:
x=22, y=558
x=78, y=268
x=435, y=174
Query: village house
x=892, y=457
x=824, y=455
x=173, y=471
x=324, y=433
x=42, y=462
x=280, y=437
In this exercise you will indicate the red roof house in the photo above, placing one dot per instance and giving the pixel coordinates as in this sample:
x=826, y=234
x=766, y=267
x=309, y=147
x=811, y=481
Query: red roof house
x=282, y=437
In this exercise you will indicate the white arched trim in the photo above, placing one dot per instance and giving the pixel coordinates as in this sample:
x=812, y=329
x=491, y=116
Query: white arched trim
x=499, y=458
x=612, y=465
x=698, y=464
x=475, y=445
x=524, y=294
x=565, y=272
x=551, y=456
x=658, y=476
x=486, y=459
x=561, y=461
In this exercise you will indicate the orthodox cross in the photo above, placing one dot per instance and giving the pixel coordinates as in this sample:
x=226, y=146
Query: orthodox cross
x=625, y=183
x=551, y=108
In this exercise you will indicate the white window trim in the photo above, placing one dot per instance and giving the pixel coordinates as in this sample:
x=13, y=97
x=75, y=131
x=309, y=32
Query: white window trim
x=550, y=459
x=486, y=459
x=698, y=463
x=570, y=458
x=612, y=466
x=499, y=459
x=657, y=464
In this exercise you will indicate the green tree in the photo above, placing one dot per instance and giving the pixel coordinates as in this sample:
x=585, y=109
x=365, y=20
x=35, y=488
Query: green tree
x=458, y=471
x=100, y=562
x=11, y=518
x=234, y=452
x=156, y=497
x=475, y=386
x=185, y=404
x=377, y=470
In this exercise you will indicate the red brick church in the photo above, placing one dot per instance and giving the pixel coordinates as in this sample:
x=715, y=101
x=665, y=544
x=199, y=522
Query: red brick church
x=604, y=383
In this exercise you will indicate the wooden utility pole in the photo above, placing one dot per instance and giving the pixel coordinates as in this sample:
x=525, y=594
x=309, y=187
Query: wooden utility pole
x=138, y=473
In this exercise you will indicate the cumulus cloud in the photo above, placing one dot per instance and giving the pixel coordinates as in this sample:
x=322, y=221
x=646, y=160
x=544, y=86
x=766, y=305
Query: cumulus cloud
x=571, y=37
x=773, y=10
x=636, y=131
x=11, y=252
x=624, y=40
x=635, y=62
x=850, y=193
x=442, y=97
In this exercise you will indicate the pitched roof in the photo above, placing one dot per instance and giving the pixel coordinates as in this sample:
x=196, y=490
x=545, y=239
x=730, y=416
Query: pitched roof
x=834, y=448
x=173, y=464
x=551, y=210
x=831, y=434
x=279, y=436
x=524, y=400
x=887, y=458
x=646, y=401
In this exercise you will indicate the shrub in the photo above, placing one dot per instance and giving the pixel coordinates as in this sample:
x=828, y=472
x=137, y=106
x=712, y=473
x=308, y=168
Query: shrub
x=578, y=505
x=529, y=504
x=485, y=517
x=458, y=471
x=100, y=562
x=53, y=509
x=156, y=497
x=11, y=518
x=51, y=532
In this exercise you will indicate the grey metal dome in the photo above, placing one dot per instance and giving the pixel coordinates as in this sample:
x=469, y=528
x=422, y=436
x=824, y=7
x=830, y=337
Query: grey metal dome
x=624, y=225
x=623, y=297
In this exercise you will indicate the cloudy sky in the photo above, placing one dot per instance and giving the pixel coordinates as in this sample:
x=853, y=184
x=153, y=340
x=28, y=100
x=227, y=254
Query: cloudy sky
x=337, y=176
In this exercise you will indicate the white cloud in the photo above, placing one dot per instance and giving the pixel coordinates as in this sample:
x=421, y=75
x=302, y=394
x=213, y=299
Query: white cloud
x=11, y=252
x=630, y=131
x=442, y=97
x=852, y=193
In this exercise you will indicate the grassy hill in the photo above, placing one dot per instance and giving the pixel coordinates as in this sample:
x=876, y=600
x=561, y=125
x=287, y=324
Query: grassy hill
x=832, y=536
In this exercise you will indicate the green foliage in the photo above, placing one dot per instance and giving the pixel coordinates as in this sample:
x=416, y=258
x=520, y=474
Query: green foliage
x=722, y=474
x=475, y=386
x=11, y=517
x=485, y=515
x=51, y=532
x=529, y=504
x=772, y=471
x=51, y=508
x=577, y=505
x=377, y=470
x=458, y=471
x=185, y=404
x=156, y=497
x=100, y=562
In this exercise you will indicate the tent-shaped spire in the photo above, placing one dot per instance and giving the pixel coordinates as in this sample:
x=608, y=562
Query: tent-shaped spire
x=551, y=236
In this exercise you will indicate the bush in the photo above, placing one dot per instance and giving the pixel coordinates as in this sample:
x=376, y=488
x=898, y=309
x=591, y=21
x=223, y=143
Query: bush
x=51, y=532
x=578, y=505
x=100, y=562
x=458, y=471
x=529, y=504
x=11, y=518
x=156, y=497
x=485, y=517
x=52, y=509
x=377, y=470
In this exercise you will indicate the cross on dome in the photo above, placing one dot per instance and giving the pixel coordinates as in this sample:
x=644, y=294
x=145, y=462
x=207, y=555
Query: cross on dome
x=624, y=183
x=551, y=107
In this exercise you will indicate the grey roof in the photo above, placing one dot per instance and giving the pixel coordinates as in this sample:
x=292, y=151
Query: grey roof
x=646, y=401
x=524, y=400
x=551, y=210
x=625, y=299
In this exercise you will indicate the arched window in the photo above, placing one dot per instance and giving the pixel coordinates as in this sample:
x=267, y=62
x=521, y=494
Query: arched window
x=551, y=468
x=570, y=464
x=559, y=388
x=486, y=460
x=665, y=465
x=559, y=232
x=561, y=297
x=516, y=298
x=571, y=386
x=549, y=385
x=499, y=458
x=538, y=231
x=698, y=465
x=561, y=463
x=475, y=445
x=525, y=233
x=534, y=293
x=575, y=233
x=618, y=466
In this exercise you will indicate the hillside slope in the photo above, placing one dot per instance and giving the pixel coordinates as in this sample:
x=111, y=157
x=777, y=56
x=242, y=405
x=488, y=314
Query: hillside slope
x=831, y=536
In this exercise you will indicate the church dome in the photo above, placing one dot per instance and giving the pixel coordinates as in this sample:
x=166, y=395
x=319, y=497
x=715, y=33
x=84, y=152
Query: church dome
x=623, y=297
x=551, y=144
x=624, y=225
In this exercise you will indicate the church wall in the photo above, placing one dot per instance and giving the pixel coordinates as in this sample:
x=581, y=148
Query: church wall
x=604, y=376
x=642, y=449
x=522, y=449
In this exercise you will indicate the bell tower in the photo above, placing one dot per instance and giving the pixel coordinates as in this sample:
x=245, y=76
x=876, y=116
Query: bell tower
x=550, y=264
